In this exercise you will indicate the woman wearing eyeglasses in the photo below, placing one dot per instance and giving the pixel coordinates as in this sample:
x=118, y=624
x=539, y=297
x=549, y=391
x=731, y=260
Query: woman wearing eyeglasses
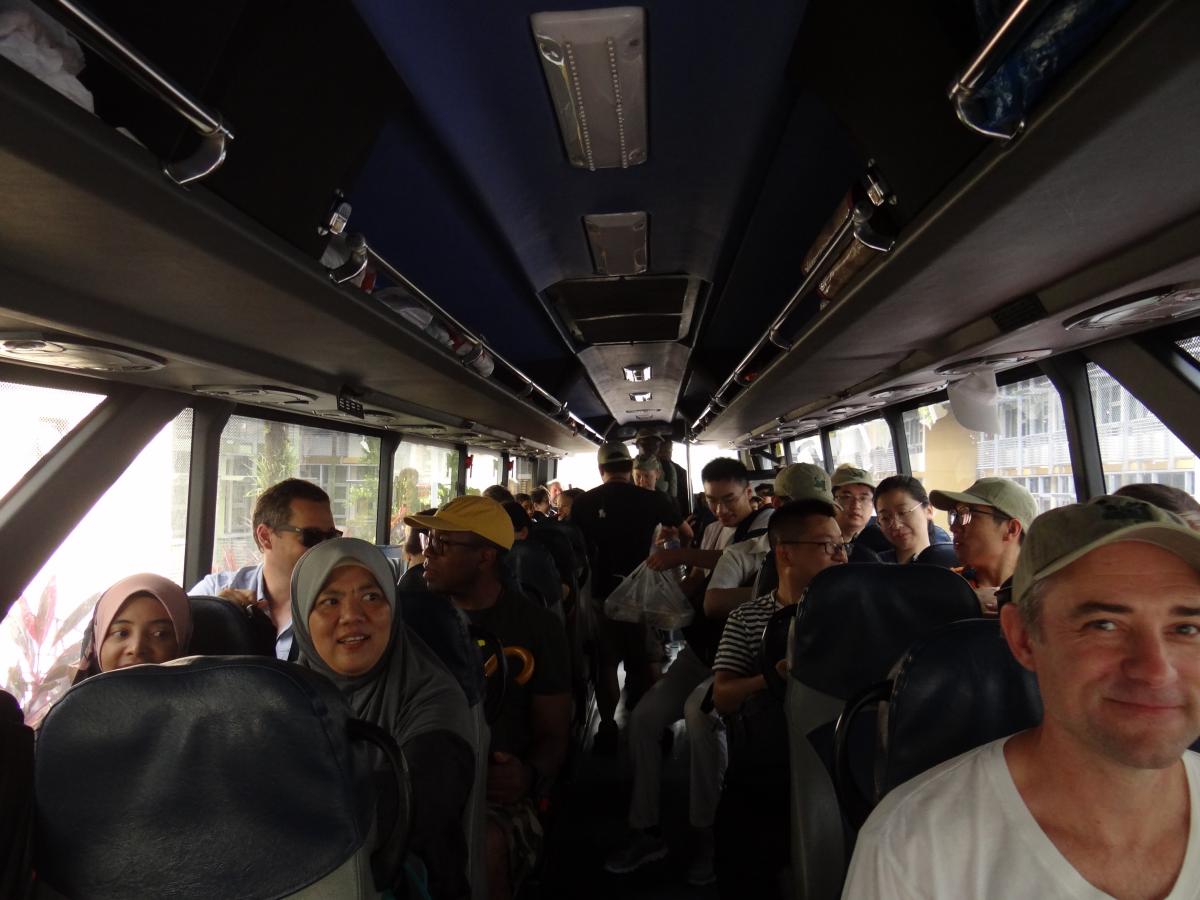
x=904, y=514
x=348, y=628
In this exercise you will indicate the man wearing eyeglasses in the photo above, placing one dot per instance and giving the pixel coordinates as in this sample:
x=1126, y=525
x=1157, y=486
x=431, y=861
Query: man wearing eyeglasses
x=989, y=521
x=289, y=518
x=464, y=559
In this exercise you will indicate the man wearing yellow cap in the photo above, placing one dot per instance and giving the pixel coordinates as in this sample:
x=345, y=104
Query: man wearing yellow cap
x=1102, y=799
x=464, y=557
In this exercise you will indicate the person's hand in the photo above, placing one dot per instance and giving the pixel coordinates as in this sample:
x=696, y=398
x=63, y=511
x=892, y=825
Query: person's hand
x=668, y=533
x=509, y=779
x=782, y=668
x=240, y=597
x=664, y=560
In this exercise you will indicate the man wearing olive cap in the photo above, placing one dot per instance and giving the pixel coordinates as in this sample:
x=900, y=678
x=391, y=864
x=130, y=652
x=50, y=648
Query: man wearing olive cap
x=989, y=521
x=464, y=559
x=1102, y=799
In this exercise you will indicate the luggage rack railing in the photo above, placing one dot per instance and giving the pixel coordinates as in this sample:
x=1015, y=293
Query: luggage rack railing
x=214, y=133
x=987, y=61
x=363, y=254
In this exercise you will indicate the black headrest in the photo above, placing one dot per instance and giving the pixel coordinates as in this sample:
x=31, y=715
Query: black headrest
x=433, y=618
x=204, y=777
x=956, y=689
x=223, y=628
x=857, y=619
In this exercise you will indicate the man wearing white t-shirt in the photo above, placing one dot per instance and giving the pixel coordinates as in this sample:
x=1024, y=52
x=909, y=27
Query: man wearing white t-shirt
x=1098, y=800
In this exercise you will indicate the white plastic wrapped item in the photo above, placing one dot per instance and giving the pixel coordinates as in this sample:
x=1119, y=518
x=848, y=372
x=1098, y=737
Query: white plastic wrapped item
x=43, y=48
x=652, y=597
x=403, y=304
x=482, y=363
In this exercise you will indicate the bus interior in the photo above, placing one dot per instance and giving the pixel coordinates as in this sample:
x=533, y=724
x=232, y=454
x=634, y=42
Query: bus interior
x=411, y=250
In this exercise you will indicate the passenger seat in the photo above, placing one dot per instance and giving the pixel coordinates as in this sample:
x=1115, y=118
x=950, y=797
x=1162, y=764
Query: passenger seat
x=223, y=628
x=213, y=777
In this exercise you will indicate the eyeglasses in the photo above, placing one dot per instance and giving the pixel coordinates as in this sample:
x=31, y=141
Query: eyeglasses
x=887, y=518
x=831, y=548
x=437, y=545
x=310, y=537
x=848, y=499
x=961, y=515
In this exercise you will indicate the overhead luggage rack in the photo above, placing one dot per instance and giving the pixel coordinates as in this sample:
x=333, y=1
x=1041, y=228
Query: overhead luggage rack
x=214, y=133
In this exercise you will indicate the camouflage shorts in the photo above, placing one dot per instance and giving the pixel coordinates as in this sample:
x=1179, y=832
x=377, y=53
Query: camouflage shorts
x=525, y=839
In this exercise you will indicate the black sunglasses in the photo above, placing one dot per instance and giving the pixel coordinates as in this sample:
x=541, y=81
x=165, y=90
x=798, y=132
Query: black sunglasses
x=310, y=537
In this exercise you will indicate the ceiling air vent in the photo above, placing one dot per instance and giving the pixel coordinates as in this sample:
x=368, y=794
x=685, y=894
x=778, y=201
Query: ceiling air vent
x=643, y=309
x=1021, y=312
x=257, y=393
x=65, y=352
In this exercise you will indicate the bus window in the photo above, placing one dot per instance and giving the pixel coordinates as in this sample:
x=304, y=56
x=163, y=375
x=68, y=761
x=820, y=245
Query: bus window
x=1135, y=447
x=807, y=450
x=423, y=477
x=35, y=420
x=1030, y=448
x=484, y=472
x=867, y=445
x=257, y=453
x=137, y=526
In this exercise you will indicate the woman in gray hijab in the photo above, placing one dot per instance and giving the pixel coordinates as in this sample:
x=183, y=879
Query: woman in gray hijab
x=348, y=628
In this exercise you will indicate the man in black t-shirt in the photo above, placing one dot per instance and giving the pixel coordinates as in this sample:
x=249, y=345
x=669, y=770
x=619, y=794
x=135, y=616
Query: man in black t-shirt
x=464, y=559
x=618, y=521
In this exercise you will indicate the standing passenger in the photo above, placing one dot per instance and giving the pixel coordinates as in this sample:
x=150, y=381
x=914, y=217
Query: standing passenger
x=618, y=521
x=647, y=472
x=289, y=518
x=468, y=539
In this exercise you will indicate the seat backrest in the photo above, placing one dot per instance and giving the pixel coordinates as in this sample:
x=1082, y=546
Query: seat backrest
x=223, y=628
x=434, y=619
x=395, y=557
x=209, y=777
x=16, y=799
x=855, y=622
x=955, y=689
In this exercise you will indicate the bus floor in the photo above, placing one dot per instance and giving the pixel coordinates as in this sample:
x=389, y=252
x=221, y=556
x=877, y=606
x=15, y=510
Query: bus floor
x=593, y=821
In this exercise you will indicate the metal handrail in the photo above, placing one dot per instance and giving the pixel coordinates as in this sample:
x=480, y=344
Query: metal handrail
x=988, y=60
x=362, y=253
x=108, y=44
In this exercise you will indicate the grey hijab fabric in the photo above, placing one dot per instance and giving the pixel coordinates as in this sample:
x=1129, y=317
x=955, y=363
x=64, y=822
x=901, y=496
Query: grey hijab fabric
x=408, y=691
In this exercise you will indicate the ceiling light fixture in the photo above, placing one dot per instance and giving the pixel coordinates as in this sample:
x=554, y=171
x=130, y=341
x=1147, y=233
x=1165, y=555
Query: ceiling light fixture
x=79, y=354
x=641, y=396
x=993, y=362
x=618, y=242
x=1150, y=306
x=638, y=372
x=594, y=61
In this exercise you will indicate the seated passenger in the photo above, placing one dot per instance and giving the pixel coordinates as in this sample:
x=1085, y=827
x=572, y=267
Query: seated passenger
x=647, y=471
x=140, y=619
x=526, y=503
x=413, y=578
x=289, y=518
x=764, y=491
x=347, y=628
x=854, y=493
x=904, y=514
x=989, y=521
x=1172, y=499
x=464, y=560
x=1102, y=798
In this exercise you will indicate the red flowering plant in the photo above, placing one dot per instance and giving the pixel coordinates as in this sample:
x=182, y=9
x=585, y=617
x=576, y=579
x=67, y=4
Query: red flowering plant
x=48, y=650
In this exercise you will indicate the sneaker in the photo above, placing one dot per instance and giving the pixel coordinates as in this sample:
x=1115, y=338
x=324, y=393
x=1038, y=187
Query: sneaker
x=640, y=848
x=605, y=743
x=700, y=870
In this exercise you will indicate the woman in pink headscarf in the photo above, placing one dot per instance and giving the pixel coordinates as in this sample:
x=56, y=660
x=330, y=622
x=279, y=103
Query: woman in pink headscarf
x=141, y=619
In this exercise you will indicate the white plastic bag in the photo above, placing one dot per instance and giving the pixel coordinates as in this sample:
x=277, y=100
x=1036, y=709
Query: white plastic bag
x=43, y=48
x=651, y=597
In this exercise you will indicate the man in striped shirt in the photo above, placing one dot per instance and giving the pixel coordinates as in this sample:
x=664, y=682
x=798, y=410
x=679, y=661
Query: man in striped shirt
x=805, y=537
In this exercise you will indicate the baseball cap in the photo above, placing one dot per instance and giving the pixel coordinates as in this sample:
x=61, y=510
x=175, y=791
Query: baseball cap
x=1004, y=494
x=612, y=452
x=477, y=515
x=648, y=463
x=804, y=481
x=1061, y=536
x=848, y=474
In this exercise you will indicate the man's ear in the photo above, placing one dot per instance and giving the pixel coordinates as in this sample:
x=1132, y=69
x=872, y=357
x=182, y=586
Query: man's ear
x=1012, y=530
x=263, y=536
x=1018, y=635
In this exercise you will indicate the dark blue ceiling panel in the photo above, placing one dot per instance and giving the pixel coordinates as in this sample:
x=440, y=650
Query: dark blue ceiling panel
x=715, y=74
